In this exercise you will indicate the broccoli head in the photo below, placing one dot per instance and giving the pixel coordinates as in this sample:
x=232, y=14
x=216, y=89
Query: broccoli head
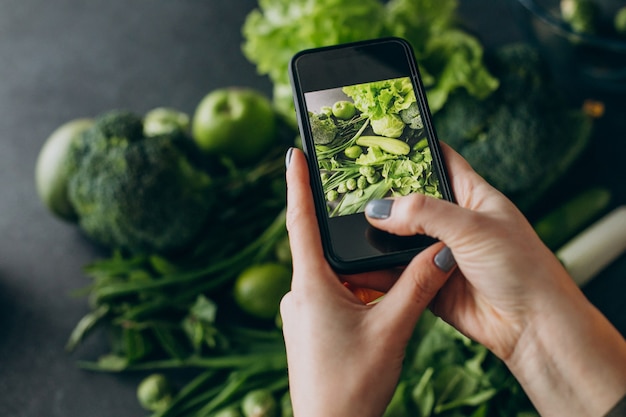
x=515, y=150
x=109, y=130
x=323, y=128
x=137, y=193
x=522, y=137
x=411, y=116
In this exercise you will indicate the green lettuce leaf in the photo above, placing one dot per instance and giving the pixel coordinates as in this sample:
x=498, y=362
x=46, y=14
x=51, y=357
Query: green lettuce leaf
x=449, y=58
x=278, y=29
x=381, y=98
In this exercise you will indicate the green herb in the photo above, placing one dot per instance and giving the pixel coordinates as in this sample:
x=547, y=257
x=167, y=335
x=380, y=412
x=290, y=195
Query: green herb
x=165, y=313
x=447, y=374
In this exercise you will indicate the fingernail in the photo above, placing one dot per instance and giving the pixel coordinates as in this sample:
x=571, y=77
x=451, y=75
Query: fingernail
x=379, y=209
x=445, y=260
x=288, y=157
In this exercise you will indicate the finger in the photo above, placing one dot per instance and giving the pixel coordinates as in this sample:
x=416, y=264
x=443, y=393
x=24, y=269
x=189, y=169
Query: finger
x=301, y=220
x=417, y=286
x=451, y=297
x=419, y=214
x=461, y=175
x=304, y=235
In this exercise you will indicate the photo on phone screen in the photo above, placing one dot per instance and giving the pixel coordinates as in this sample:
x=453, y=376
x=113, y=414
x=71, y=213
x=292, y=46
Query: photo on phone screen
x=371, y=143
x=367, y=134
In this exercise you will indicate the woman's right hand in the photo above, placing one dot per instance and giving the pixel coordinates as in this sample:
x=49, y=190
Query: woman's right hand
x=511, y=294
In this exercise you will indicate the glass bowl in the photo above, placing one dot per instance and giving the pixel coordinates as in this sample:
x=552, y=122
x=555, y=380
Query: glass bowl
x=583, y=63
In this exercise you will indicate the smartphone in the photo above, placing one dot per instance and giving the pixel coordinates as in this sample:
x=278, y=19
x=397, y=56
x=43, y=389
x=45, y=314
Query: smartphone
x=367, y=133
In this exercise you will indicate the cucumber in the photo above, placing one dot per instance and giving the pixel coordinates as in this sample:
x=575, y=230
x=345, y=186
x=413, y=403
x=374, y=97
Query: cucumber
x=390, y=145
x=565, y=221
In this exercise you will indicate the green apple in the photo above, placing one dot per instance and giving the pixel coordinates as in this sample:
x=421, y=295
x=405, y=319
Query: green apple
x=51, y=170
x=238, y=123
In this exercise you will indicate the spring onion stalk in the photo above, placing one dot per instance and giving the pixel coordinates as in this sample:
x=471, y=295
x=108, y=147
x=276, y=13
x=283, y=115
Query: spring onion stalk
x=596, y=247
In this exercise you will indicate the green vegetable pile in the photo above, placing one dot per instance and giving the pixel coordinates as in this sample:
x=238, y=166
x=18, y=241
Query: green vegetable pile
x=446, y=374
x=356, y=167
x=174, y=293
x=190, y=209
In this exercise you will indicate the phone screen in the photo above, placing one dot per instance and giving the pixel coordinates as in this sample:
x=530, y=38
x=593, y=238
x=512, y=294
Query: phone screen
x=368, y=135
x=371, y=143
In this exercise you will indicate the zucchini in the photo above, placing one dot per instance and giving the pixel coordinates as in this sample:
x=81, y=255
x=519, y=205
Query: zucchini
x=390, y=145
x=565, y=221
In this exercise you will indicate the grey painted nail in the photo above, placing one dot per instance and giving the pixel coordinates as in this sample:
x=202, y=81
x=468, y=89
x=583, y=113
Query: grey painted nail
x=379, y=209
x=288, y=157
x=445, y=260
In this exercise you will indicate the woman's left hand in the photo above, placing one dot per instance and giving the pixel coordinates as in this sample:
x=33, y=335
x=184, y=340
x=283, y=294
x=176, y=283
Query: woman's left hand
x=345, y=357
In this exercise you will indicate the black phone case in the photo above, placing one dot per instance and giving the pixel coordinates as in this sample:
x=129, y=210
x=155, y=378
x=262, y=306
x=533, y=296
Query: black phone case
x=386, y=260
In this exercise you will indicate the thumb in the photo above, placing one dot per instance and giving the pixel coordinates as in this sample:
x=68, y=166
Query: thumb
x=420, y=214
x=417, y=286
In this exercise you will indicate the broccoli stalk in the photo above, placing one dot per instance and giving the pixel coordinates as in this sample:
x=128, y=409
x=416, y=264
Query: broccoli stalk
x=136, y=193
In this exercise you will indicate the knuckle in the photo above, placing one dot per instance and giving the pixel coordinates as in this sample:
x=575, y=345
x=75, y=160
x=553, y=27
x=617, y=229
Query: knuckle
x=407, y=219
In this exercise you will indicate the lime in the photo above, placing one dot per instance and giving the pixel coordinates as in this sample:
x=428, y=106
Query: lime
x=259, y=289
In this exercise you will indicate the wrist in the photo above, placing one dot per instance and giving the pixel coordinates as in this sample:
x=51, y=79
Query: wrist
x=569, y=358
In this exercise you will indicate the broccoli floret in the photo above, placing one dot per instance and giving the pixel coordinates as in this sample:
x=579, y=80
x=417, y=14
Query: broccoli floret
x=323, y=128
x=113, y=128
x=523, y=74
x=514, y=152
x=523, y=136
x=137, y=193
x=462, y=120
x=411, y=116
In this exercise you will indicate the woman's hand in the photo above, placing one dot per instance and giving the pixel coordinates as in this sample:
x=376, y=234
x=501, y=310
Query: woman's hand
x=345, y=357
x=506, y=273
x=511, y=294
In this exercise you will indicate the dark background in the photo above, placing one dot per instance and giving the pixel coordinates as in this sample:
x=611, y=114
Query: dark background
x=64, y=59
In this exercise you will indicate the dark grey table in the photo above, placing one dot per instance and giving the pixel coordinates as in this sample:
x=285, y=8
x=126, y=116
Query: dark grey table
x=64, y=59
